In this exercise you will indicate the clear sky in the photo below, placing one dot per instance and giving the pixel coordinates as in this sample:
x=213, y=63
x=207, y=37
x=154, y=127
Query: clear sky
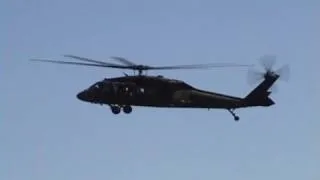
x=46, y=133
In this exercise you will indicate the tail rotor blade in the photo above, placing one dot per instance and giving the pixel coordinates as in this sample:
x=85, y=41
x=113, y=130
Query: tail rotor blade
x=284, y=72
x=254, y=76
x=268, y=61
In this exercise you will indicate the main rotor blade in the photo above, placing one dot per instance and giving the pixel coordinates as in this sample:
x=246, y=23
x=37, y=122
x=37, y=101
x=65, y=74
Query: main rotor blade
x=198, y=66
x=89, y=60
x=143, y=67
x=83, y=64
x=123, y=60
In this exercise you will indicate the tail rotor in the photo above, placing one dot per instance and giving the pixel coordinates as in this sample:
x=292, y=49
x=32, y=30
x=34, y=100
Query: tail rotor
x=268, y=62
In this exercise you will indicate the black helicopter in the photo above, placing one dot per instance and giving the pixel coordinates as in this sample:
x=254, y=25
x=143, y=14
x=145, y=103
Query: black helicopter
x=121, y=93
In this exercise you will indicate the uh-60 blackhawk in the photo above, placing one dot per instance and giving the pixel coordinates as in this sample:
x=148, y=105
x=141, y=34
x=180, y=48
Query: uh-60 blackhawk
x=122, y=93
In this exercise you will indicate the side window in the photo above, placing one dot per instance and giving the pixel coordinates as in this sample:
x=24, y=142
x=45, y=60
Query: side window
x=100, y=85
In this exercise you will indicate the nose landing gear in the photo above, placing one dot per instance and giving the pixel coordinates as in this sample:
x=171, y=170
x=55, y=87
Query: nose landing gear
x=127, y=109
x=116, y=109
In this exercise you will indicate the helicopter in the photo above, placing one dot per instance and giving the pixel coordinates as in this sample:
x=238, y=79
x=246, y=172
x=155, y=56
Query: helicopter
x=123, y=92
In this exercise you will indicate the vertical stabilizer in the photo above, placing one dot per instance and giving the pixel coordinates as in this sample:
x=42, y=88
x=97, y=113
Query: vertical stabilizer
x=259, y=96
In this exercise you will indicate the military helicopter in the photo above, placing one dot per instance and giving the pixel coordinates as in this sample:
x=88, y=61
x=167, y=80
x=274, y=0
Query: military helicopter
x=122, y=93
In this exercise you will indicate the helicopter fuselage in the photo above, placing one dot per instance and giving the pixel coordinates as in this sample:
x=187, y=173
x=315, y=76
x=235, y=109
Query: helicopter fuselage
x=155, y=91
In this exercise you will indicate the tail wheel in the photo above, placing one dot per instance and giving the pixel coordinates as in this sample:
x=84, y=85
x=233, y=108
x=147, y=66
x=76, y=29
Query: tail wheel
x=236, y=118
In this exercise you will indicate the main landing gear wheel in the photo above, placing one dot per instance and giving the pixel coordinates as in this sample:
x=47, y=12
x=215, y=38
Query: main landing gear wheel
x=236, y=118
x=115, y=109
x=127, y=109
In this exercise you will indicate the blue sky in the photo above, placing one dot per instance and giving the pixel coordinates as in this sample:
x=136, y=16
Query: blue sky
x=46, y=133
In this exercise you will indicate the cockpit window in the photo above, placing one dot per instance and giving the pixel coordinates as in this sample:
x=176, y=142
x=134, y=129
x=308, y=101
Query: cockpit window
x=98, y=85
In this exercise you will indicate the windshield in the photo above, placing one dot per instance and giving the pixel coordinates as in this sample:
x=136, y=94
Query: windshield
x=98, y=85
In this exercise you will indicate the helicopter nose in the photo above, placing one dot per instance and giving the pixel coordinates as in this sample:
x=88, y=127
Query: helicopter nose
x=82, y=96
